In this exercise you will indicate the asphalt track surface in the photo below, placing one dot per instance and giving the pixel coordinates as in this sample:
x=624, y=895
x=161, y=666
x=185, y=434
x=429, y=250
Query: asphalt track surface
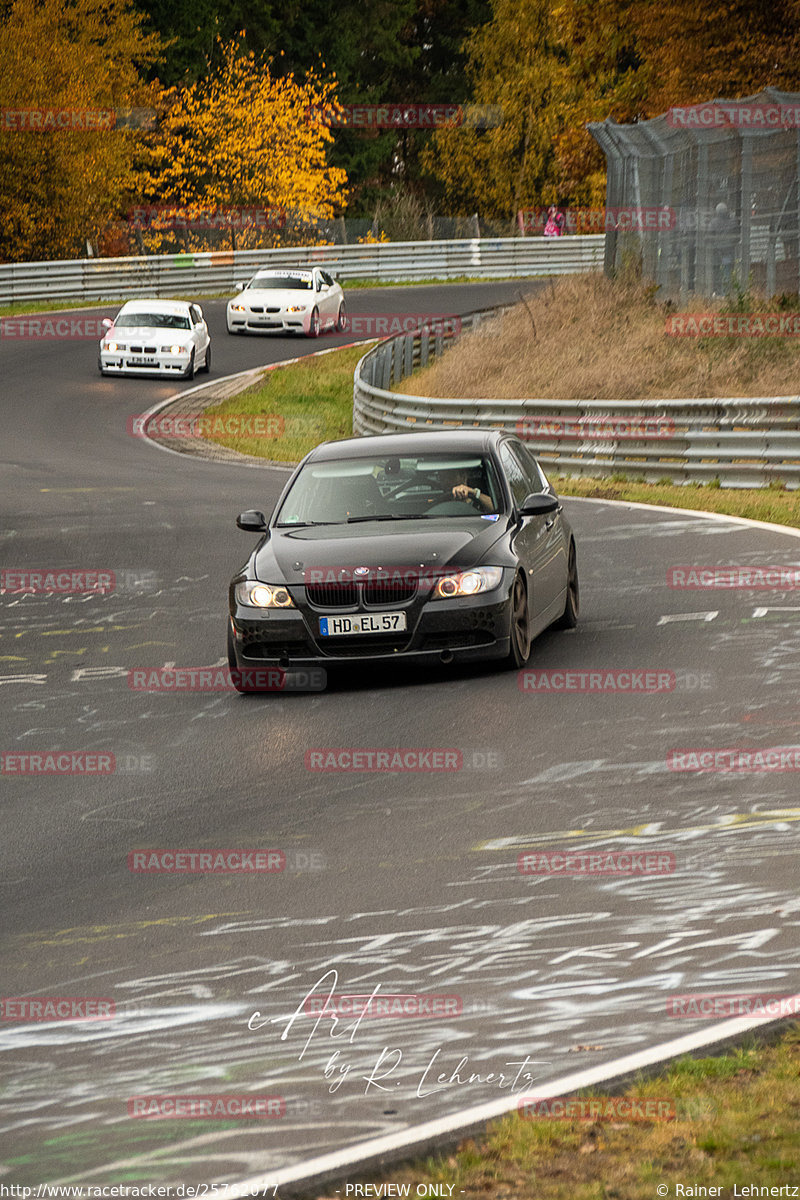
x=407, y=880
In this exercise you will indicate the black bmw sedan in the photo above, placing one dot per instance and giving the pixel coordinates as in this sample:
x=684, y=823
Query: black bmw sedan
x=434, y=547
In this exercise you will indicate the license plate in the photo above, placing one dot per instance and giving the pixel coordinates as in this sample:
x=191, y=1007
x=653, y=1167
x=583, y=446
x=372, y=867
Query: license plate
x=142, y=362
x=363, y=623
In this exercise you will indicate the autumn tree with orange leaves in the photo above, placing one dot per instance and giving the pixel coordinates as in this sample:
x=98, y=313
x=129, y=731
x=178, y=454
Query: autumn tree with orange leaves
x=243, y=139
x=59, y=185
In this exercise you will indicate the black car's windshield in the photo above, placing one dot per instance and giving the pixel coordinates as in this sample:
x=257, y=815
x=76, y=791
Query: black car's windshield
x=292, y=283
x=393, y=487
x=151, y=320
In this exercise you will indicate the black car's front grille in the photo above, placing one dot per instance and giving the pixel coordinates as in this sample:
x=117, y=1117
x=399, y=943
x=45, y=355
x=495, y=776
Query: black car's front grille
x=332, y=595
x=379, y=592
x=373, y=593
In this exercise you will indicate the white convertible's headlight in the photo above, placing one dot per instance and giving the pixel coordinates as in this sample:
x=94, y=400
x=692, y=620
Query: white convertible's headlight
x=237, y=307
x=467, y=583
x=262, y=595
x=297, y=308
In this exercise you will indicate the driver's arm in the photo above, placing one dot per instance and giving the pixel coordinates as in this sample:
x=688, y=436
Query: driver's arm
x=463, y=492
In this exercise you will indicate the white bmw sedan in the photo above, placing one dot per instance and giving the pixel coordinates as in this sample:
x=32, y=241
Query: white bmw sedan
x=161, y=337
x=290, y=301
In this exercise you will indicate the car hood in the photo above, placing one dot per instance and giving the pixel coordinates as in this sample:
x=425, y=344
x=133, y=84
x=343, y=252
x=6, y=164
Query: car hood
x=450, y=542
x=153, y=333
x=274, y=297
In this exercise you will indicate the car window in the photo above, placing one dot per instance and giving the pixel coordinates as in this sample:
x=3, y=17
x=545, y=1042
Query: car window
x=196, y=314
x=393, y=487
x=293, y=283
x=151, y=320
x=534, y=471
x=518, y=479
x=326, y=278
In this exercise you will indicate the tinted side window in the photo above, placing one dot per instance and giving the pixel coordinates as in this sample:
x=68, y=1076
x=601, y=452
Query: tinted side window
x=535, y=472
x=517, y=478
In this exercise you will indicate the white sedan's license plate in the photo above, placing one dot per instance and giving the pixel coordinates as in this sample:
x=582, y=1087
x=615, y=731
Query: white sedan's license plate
x=142, y=362
x=363, y=623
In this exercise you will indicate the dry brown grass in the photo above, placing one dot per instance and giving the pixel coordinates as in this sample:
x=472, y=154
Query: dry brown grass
x=586, y=337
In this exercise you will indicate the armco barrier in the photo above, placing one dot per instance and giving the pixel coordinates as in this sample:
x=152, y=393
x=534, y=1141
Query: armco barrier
x=743, y=442
x=92, y=279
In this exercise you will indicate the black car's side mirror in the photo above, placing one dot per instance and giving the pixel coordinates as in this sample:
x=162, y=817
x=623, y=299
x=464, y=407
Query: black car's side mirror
x=537, y=503
x=252, y=521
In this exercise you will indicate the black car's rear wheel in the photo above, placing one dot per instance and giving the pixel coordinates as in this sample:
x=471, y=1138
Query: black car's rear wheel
x=569, y=617
x=520, y=648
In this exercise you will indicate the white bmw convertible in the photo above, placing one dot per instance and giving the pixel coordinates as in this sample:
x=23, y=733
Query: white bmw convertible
x=290, y=301
x=161, y=337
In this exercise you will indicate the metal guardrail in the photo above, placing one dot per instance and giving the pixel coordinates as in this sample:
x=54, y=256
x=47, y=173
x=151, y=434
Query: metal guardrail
x=94, y=279
x=742, y=442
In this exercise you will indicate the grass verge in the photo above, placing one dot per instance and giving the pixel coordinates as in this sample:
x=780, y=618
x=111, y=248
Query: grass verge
x=315, y=399
x=736, y=1123
x=587, y=337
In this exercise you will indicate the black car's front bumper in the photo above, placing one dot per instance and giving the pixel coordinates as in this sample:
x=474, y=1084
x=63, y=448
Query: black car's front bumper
x=466, y=628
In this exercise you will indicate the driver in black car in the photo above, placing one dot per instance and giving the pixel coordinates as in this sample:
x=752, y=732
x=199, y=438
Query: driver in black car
x=462, y=488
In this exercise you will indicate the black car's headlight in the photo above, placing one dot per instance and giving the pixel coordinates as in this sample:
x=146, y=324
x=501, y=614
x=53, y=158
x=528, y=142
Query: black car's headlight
x=263, y=595
x=467, y=583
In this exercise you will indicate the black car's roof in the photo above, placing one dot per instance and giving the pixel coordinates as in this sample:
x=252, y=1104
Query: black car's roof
x=434, y=441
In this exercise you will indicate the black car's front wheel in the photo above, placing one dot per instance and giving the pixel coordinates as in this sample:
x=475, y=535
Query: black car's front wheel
x=569, y=617
x=520, y=642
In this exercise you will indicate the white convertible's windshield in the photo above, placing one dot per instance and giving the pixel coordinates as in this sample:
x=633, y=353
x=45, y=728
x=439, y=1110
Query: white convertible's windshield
x=392, y=488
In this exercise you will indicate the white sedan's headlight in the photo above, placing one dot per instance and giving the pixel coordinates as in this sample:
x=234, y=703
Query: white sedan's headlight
x=113, y=346
x=262, y=595
x=467, y=583
x=173, y=349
